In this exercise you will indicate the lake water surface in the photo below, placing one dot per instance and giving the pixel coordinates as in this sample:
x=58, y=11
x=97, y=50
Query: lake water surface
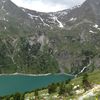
x=10, y=84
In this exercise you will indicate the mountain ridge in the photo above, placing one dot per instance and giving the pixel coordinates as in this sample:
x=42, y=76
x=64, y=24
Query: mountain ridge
x=63, y=41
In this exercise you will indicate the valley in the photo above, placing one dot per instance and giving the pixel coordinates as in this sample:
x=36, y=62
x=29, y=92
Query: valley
x=65, y=42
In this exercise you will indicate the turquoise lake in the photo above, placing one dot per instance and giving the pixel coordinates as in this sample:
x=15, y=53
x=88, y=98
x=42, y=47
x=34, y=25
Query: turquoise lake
x=10, y=84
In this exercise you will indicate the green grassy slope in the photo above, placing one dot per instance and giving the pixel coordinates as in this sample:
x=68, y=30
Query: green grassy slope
x=94, y=78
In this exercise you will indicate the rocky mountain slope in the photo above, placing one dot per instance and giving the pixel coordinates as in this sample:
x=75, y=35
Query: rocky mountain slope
x=37, y=42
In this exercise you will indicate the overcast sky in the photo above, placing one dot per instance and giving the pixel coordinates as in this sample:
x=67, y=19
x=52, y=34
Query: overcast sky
x=47, y=5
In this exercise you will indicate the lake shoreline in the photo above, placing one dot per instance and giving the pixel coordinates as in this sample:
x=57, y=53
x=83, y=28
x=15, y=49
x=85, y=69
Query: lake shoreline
x=37, y=74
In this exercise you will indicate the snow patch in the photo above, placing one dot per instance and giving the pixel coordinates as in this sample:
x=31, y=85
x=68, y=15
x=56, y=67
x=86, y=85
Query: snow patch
x=43, y=21
x=32, y=16
x=3, y=1
x=75, y=7
x=95, y=26
x=2, y=7
x=61, y=13
x=5, y=19
x=51, y=14
x=7, y=13
x=5, y=27
x=73, y=19
x=24, y=10
x=91, y=31
x=35, y=16
x=56, y=19
x=64, y=13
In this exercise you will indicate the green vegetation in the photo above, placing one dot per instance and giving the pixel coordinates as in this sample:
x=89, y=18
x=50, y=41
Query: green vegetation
x=52, y=88
x=93, y=77
x=26, y=58
x=60, y=50
x=85, y=82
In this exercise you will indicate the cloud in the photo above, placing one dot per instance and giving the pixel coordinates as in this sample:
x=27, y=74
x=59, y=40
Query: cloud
x=47, y=5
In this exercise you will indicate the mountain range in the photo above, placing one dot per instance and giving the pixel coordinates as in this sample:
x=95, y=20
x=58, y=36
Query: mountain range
x=38, y=42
